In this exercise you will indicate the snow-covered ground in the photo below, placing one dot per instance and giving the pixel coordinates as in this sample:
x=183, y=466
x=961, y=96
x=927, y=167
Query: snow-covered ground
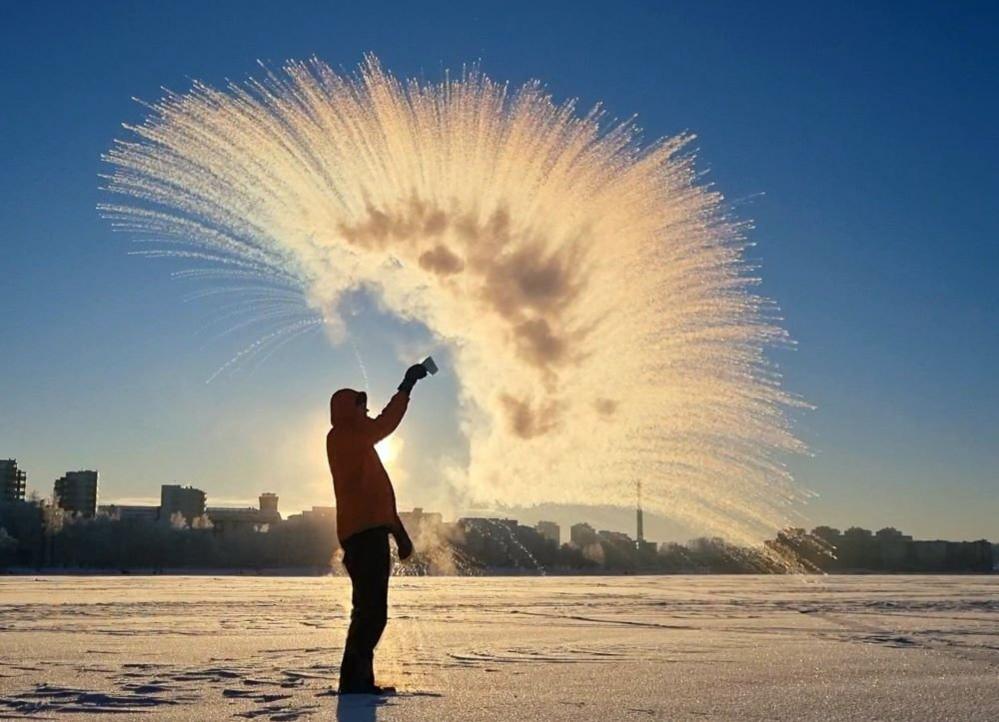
x=546, y=648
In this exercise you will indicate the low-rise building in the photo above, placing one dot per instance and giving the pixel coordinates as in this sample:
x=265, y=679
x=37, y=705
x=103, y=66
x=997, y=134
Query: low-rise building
x=420, y=523
x=226, y=520
x=131, y=512
x=317, y=515
x=616, y=537
x=647, y=549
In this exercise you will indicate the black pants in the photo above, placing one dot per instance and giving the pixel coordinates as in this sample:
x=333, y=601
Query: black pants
x=366, y=556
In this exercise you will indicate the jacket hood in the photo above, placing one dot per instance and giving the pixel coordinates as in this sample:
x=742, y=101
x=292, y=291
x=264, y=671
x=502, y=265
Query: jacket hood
x=344, y=408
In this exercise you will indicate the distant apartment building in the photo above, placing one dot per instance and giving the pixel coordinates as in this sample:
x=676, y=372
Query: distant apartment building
x=893, y=547
x=76, y=493
x=549, y=530
x=616, y=537
x=226, y=520
x=582, y=534
x=131, y=512
x=419, y=522
x=186, y=500
x=12, y=481
x=930, y=554
x=317, y=515
x=949, y=556
x=498, y=542
x=973, y=556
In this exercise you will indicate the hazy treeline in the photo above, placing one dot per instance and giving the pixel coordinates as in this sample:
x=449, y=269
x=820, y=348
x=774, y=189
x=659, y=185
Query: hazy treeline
x=37, y=536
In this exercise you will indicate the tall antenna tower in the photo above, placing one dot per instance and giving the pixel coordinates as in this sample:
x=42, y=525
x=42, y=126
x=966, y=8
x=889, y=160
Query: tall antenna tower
x=640, y=535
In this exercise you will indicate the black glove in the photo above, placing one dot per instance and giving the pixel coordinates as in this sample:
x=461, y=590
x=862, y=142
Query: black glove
x=404, y=545
x=413, y=374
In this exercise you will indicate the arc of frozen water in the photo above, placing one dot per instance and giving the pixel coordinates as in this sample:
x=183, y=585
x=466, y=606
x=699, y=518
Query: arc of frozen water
x=604, y=324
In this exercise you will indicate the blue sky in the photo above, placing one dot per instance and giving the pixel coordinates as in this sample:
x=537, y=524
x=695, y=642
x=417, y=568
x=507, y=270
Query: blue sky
x=860, y=140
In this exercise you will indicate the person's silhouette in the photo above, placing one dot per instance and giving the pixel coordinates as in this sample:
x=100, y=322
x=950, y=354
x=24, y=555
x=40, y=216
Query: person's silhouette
x=365, y=516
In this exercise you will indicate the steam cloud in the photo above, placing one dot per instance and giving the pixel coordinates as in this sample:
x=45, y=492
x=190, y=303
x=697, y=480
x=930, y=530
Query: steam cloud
x=601, y=315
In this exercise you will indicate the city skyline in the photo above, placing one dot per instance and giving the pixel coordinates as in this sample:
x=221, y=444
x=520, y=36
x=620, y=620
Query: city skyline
x=182, y=498
x=184, y=532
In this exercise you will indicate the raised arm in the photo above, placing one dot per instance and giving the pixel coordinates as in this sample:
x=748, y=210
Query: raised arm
x=388, y=420
x=392, y=414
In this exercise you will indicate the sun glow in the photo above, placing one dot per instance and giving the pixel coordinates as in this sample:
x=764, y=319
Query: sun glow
x=388, y=449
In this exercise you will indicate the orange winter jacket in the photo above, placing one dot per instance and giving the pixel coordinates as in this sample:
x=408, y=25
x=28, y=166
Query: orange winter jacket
x=364, y=495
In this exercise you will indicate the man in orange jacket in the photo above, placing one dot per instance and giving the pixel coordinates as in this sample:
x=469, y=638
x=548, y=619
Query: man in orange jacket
x=365, y=516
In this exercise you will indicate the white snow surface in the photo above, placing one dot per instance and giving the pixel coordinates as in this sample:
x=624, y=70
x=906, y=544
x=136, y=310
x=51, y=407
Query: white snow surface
x=505, y=648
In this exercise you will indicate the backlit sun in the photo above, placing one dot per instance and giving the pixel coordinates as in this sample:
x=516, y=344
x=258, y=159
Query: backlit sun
x=388, y=449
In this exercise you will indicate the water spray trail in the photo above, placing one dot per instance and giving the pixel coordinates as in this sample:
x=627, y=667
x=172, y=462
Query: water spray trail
x=306, y=329
x=516, y=542
x=261, y=344
x=360, y=364
x=603, y=323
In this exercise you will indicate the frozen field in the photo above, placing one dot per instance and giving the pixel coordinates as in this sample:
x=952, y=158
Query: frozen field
x=549, y=648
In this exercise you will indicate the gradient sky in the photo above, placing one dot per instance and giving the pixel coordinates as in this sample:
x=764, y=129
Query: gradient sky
x=861, y=141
